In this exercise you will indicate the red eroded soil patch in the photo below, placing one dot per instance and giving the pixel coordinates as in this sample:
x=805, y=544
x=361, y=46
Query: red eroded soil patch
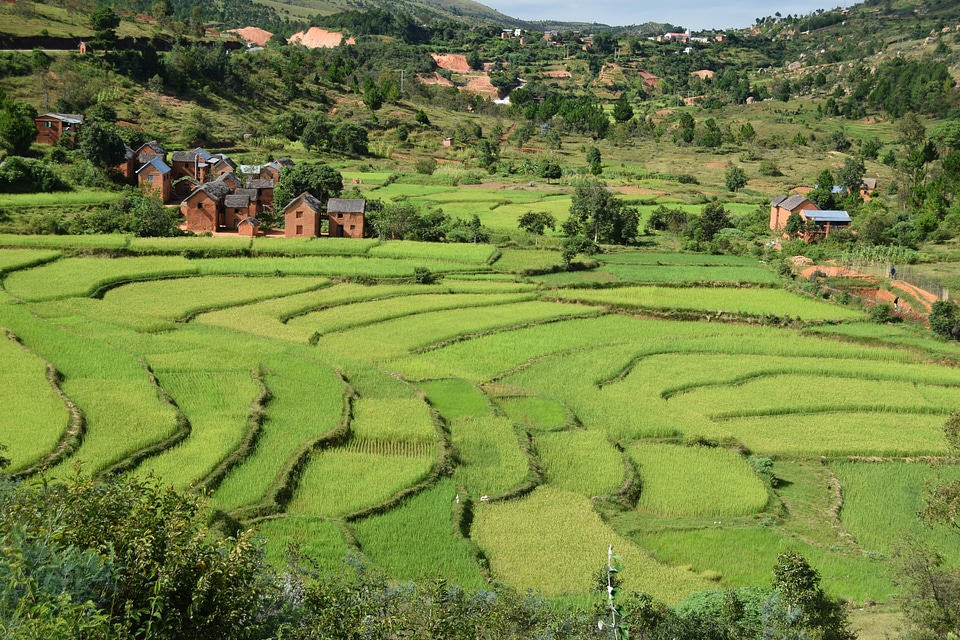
x=435, y=78
x=481, y=84
x=558, y=74
x=255, y=35
x=315, y=38
x=452, y=61
x=717, y=165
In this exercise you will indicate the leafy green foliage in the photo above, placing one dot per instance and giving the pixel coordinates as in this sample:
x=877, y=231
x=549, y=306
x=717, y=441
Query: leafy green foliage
x=321, y=180
x=596, y=212
x=26, y=175
x=101, y=145
x=17, y=130
x=536, y=222
x=801, y=602
x=137, y=554
x=736, y=178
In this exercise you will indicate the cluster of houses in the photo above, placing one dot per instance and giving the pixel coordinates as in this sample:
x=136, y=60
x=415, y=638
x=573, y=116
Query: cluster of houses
x=215, y=193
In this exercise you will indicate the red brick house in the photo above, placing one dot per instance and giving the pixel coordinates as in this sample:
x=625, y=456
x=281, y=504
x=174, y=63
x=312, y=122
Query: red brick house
x=128, y=168
x=346, y=217
x=264, y=190
x=249, y=226
x=150, y=149
x=185, y=164
x=203, y=209
x=51, y=126
x=302, y=217
x=230, y=178
x=782, y=206
x=238, y=207
x=154, y=177
x=220, y=165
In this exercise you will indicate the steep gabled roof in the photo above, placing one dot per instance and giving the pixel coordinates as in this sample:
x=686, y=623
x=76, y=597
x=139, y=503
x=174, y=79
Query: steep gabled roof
x=231, y=176
x=792, y=202
x=184, y=156
x=345, y=205
x=203, y=154
x=308, y=198
x=157, y=164
x=128, y=153
x=155, y=146
x=238, y=201
x=776, y=201
x=260, y=183
x=249, y=193
x=216, y=190
x=285, y=162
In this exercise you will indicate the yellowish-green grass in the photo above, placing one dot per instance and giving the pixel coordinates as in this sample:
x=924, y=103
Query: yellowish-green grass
x=109, y=241
x=416, y=541
x=455, y=398
x=13, y=259
x=534, y=411
x=36, y=417
x=747, y=301
x=344, y=317
x=316, y=539
x=520, y=260
x=314, y=246
x=553, y=541
x=155, y=305
x=745, y=556
x=470, y=253
x=306, y=404
x=197, y=244
x=347, y=266
x=337, y=483
x=83, y=276
x=491, y=462
x=392, y=338
x=581, y=461
x=401, y=419
x=217, y=404
x=696, y=482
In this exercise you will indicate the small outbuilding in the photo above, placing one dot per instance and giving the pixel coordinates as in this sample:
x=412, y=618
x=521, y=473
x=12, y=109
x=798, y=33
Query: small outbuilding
x=782, y=206
x=346, y=217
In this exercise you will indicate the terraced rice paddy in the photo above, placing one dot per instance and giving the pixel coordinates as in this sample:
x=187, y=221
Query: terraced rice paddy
x=333, y=402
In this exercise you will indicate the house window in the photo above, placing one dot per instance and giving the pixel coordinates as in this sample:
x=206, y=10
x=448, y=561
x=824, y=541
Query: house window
x=299, y=229
x=299, y=214
x=339, y=215
x=353, y=227
x=48, y=125
x=199, y=204
x=236, y=212
x=150, y=178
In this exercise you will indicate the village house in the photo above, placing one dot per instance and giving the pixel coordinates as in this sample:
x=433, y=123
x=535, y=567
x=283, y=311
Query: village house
x=51, y=126
x=128, y=168
x=346, y=217
x=151, y=149
x=154, y=177
x=824, y=221
x=186, y=170
x=238, y=207
x=302, y=217
x=264, y=189
x=219, y=165
x=204, y=208
x=782, y=206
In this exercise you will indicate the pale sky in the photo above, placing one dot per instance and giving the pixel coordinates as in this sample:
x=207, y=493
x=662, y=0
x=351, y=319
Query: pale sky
x=692, y=14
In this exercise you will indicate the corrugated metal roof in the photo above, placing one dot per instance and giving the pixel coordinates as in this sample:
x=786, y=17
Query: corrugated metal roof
x=826, y=216
x=156, y=163
x=69, y=118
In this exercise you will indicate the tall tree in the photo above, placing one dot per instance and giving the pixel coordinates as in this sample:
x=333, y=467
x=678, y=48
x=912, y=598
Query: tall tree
x=321, y=180
x=596, y=212
x=622, y=111
x=102, y=145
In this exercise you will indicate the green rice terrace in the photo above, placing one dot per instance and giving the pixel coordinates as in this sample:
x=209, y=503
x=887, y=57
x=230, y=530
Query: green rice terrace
x=491, y=424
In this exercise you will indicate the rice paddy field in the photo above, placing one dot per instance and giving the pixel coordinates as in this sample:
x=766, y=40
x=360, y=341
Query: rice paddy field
x=492, y=425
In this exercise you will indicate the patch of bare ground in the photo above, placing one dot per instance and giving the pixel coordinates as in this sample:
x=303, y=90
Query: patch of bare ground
x=452, y=61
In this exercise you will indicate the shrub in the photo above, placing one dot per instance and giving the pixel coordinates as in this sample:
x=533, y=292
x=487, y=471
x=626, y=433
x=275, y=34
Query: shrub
x=26, y=175
x=422, y=275
x=882, y=314
x=769, y=168
x=425, y=166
